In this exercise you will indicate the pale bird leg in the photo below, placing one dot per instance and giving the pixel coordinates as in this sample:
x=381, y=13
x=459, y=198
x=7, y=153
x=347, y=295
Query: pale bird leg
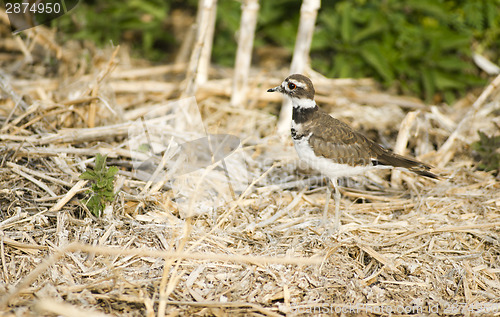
x=336, y=223
x=327, y=202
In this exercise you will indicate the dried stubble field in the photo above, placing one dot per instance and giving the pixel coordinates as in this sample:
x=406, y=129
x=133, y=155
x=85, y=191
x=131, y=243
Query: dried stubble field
x=407, y=244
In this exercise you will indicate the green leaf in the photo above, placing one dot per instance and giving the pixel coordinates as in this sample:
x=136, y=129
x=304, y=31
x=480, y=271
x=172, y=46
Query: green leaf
x=158, y=9
x=144, y=148
x=102, y=188
x=109, y=196
x=428, y=83
x=451, y=63
x=346, y=28
x=111, y=172
x=95, y=206
x=100, y=162
x=376, y=26
x=101, y=183
x=449, y=96
x=446, y=40
x=343, y=68
x=446, y=81
x=474, y=15
x=429, y=7
x=89, y=175
x=487, y=150
x=371, y=53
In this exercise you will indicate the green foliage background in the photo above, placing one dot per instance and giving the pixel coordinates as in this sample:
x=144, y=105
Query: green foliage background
x=420, y=47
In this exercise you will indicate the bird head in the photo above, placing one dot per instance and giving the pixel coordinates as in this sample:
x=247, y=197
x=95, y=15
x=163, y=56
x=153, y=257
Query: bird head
x=296, y=86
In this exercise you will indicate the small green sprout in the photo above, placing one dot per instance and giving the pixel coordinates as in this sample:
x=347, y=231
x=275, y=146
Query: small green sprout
x=487, y=149
x=102, y=190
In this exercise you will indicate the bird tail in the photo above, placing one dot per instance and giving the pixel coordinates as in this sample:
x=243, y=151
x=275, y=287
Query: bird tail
x=396, y=160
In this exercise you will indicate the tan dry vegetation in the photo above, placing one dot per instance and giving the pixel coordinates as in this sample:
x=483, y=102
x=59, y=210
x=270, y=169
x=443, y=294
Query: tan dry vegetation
x=405, y=241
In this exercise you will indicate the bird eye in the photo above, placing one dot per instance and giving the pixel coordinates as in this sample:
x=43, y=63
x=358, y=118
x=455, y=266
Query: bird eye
x=292, y=86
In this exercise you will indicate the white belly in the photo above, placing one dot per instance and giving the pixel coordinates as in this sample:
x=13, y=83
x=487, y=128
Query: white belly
x=324, y=165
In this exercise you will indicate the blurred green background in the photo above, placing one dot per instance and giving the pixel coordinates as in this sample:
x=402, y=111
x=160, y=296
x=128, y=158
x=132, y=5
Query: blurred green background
x=414, y=47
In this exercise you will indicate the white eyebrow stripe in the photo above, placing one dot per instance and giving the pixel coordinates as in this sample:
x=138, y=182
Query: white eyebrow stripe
x=298, y=83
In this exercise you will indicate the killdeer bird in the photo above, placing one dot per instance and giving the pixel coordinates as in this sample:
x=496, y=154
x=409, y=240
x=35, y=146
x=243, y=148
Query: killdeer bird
x=331, y=146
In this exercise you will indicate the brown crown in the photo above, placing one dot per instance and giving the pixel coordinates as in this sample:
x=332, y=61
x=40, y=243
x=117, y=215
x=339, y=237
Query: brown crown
x=303, y=86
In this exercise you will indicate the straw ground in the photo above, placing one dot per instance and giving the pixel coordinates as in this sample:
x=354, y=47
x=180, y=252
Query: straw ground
x=407, y=245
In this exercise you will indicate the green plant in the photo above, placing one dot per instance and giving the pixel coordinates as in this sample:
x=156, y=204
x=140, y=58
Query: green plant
x=139, y=23
x=417, y=47
x=487, y=149
x=102, y=190
x=421, y=47
x=228, y=21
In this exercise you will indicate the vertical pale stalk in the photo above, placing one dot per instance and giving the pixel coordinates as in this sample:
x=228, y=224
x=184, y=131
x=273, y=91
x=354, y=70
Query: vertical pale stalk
x=206, y=51
x=186, y=46
x=402, y=143
x=308, y=14
x=197, y=72
x=248, y=22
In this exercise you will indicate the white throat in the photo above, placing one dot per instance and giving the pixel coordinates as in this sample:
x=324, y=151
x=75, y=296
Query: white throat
x=303, y=103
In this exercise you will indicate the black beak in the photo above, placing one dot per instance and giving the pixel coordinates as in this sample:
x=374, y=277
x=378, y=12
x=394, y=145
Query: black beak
x=277, y=88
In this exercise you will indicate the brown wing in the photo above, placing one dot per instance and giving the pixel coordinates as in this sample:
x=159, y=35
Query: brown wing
x=335, y=140
x=353, y=148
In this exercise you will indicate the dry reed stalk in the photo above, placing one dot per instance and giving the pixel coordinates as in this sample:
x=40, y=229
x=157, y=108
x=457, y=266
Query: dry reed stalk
x=228, y=212
x=55, y=151
x=148, y=71
x=186, y=46
x=448, y=149
x=78, y=247
x=6, y=87
x=47, y=305
x=377, y=256
x=248, y=22
x=206, y=51
x=27, y=248
x=401, y=144
x=308, y=14
x=27, y=54
x=94, y=88
x=82, y=134
x=33, y=180
x=70, y=194
x=47, y=38
x=142, y=86
x=199, y=62
x=380, y=99
x=283, y=212
x=392, y=246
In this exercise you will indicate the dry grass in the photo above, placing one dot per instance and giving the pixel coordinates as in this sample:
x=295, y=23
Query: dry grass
x=405, y=242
